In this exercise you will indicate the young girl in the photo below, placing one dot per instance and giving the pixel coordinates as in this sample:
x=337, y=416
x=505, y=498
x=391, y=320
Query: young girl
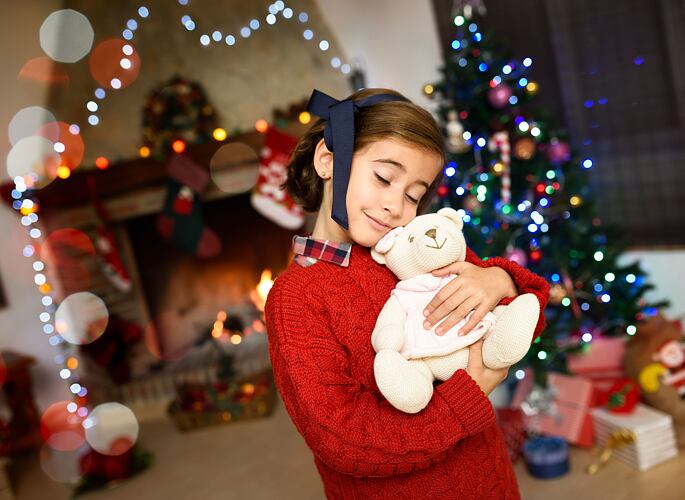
x=371, y=163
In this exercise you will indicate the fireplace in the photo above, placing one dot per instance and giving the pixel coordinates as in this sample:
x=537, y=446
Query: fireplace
x=176, y=299
x=184, y=293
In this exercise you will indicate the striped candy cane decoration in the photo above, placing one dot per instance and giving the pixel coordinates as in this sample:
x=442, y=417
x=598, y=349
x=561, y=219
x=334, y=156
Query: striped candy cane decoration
x=501, y=140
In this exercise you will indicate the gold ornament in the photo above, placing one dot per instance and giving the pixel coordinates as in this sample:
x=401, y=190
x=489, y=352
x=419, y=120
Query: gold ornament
x=524, y=149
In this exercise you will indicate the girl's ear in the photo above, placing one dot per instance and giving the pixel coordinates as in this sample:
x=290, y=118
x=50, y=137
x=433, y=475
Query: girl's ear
x=323, y=159
x=453, y=215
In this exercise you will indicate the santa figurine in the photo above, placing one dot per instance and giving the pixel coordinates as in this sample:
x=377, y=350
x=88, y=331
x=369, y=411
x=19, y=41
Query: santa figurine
x=671, y=354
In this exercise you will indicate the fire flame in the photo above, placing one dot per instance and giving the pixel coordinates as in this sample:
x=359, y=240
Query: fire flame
x=262, y=290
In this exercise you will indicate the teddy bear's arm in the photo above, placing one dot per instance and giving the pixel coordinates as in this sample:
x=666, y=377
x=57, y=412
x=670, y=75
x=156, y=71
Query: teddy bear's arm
x=389, y=330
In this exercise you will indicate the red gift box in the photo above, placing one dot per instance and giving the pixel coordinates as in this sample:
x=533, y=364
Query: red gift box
x=571, y=419
x=602, y=363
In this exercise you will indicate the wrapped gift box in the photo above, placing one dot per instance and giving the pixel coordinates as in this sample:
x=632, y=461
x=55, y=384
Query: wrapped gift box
x=571, y=418
x=602, y=363
x=654, y=436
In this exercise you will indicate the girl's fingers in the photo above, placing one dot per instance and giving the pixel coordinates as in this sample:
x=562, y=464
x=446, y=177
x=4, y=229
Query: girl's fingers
x=448, y=306
x=454, y=268
x=437, y=309
x=478, y=314
x=457, y=315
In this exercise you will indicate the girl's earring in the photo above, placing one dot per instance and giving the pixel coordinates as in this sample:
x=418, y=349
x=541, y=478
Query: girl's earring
x=324, y=175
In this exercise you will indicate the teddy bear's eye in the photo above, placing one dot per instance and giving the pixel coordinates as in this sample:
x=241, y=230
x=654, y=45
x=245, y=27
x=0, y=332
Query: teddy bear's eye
x=411, y=238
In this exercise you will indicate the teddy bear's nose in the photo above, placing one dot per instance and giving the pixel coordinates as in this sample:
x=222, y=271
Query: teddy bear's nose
x=430, y=233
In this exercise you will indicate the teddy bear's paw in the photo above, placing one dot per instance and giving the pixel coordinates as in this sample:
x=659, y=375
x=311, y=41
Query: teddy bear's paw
x=403, y=385
x=512, y=335
x=443, y=367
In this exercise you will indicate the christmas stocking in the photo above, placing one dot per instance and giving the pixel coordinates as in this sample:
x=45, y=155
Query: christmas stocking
x=267, y=197
x=181, y=220
x=106, y=246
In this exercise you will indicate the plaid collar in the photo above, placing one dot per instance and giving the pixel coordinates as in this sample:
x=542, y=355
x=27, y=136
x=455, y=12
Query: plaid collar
x=309, y=251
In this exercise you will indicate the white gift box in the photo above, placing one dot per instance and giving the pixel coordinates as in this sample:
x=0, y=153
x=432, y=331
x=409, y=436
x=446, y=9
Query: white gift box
x=654, y=442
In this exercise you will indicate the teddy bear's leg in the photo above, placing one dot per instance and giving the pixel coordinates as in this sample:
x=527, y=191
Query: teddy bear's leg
x=404, y=384
x=511, y=336
x=389, y=330
x=443, y=367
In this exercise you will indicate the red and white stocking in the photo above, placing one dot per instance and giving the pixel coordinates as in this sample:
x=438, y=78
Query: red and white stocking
x=267, y=198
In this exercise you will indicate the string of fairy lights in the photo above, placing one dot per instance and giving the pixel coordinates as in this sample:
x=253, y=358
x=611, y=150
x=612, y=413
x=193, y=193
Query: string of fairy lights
x=23, y=184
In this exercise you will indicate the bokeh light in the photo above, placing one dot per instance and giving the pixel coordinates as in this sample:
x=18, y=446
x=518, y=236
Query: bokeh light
x=69, y=144
x=261, y=125
x=62, y=429
x=219, y=134
x=66, y=36
x=234, y=168
x=111, y=429
x=81, y=318
x=101, y=162
x=178, y=146
x=105, y=63
x=63, y=466
x=43, y=70
x=28, y=120
x=33, y=155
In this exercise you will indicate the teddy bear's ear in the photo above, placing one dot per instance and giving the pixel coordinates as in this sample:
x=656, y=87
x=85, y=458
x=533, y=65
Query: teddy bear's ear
x=453, y=215
x=378, y=257
x=385, y=244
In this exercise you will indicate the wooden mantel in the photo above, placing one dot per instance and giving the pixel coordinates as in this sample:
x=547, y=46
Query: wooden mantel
x=137, y=187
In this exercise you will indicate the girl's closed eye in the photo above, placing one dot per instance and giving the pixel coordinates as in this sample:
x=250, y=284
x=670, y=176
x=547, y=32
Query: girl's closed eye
x=382, y=180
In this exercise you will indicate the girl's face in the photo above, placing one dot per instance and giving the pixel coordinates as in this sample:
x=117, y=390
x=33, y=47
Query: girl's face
x=388, y=179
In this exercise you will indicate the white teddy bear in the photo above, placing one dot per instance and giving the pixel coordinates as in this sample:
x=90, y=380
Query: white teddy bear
x=408, y=357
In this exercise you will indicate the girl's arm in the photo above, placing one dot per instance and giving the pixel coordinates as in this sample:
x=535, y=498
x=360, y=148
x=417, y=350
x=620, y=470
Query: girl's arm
x=348, y=427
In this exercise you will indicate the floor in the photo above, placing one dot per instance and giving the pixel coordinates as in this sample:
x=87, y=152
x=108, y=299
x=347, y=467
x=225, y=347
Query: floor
x=266, y=459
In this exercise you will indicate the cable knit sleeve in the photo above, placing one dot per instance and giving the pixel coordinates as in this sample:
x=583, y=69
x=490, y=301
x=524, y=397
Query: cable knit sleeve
x=525, y=281
x=348, y=426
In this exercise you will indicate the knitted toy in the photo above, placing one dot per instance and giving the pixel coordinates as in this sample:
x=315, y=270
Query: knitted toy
x=408, y=357
x=655, y=358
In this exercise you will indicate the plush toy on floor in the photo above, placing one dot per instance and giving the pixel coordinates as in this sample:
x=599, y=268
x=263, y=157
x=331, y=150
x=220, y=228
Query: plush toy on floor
x=408, y=357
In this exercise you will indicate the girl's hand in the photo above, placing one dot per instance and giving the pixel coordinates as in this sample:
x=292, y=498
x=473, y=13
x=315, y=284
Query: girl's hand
x=476, y=289
x=486, y=378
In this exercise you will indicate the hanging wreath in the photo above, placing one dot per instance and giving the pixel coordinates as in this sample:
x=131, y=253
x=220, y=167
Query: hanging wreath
x=178, y=109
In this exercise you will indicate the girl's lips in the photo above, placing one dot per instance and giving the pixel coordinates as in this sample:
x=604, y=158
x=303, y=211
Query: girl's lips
x=377, y=224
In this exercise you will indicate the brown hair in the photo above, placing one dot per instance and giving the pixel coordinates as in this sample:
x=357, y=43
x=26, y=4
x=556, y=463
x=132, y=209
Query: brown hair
x=401, y=120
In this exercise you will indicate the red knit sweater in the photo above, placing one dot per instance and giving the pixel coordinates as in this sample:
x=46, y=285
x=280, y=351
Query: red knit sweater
x=319, y=321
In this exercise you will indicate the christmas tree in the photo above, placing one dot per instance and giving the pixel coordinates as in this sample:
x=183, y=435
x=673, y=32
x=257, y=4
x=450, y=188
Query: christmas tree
x=523, y=194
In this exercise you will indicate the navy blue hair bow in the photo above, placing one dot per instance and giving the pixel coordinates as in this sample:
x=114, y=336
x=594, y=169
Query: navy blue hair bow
x=339, y=138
